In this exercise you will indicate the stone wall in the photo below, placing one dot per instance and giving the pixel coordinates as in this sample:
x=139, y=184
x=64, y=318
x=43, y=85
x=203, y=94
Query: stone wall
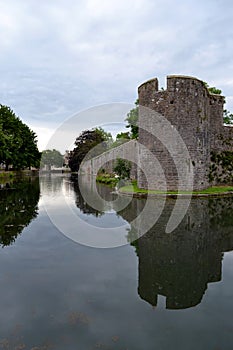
x=198, y=117
x=106, y=161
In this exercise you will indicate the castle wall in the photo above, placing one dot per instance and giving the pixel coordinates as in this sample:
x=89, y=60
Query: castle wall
x=196, y=114
x=221, y=157
x=107, y=160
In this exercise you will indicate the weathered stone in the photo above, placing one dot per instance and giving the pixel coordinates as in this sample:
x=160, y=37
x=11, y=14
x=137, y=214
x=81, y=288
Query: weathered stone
x=197, y=115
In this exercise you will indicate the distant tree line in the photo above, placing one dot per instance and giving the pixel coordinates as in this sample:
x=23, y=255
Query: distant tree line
x=51, y=158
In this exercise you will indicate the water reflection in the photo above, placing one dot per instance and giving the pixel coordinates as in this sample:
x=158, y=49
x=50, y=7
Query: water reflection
x=18, y=206
x=81, y=202
x=51, y=184
x=67, y=186
x=180, y=265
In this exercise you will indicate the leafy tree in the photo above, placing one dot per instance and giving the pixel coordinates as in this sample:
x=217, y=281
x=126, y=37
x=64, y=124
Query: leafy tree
x=120, y=139
x=123, y=135
x=122, y=168
x=89, y=144
x=51, y=158
x=132, y=120
x=227, y=117
x=213, y=89
x=18, y=143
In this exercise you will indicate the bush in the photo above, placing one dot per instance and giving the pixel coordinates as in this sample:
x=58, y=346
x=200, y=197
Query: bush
x=123, y=168
x=107, y=179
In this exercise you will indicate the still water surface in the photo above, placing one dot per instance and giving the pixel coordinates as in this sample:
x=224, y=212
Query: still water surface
x=164, y=291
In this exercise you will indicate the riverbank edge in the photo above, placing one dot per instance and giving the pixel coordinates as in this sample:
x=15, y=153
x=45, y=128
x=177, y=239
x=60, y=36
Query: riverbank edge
x=13, y=173
x=174, y=195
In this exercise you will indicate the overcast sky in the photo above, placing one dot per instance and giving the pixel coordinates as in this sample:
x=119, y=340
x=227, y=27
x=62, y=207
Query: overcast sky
x=59, y=57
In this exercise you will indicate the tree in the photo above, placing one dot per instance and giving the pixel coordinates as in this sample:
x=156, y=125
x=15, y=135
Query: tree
x=18, y=143
x=51, y=158
x=123, y=135
x=90, y=143
x=120, y=139
x=213, y=89
x=122, y=168
x=132, y=120
x=227, y=117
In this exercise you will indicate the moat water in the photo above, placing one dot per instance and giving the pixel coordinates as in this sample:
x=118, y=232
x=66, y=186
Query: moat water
x=163, y=291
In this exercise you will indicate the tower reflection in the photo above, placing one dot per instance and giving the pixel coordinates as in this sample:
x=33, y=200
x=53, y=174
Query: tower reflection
x=180, y=265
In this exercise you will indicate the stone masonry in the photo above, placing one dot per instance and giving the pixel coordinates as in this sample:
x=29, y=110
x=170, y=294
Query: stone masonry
x=197, y=115
x=106, y=160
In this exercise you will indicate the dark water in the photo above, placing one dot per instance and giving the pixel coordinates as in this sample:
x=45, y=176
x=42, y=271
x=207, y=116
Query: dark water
x=164, y=291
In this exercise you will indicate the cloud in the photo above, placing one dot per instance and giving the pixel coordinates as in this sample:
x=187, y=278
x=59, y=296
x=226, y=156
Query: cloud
x=60, y=57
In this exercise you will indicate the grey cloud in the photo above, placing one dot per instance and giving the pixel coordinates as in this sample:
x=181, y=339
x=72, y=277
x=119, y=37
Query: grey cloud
x=60, y=57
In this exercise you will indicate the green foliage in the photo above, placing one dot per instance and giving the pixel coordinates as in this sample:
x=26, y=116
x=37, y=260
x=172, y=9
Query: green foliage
x=107, y=179
x=132, y=120
x=215, y=190
x=120, y=139
x=89, y=144
x=123, y=135
x=122, y=168
x=221, y=167
x=7, y=175
x=213, y=89
x=18, y=144
x=227, y=117
x=51, y=158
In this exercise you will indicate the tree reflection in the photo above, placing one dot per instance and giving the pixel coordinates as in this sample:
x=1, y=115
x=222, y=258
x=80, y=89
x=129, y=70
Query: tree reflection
x=91, y=196
x=180, y=265
x=18, y=206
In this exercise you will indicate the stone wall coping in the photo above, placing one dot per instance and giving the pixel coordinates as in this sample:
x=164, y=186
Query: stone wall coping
x=148, y=81
x=171, y=76
x=177, y=76
x=194, y=78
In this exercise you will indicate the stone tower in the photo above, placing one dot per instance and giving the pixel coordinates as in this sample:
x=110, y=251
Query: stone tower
x=196, y=114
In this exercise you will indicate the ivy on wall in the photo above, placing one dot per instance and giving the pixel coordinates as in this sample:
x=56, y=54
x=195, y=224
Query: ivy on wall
x=221, y=167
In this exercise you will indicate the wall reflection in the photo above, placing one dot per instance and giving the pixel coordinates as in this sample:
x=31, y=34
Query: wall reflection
x=180, y=265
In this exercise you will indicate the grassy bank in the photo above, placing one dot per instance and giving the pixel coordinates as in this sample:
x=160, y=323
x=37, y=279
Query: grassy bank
x=107, y=179
x=7, y=175
x=215, y=190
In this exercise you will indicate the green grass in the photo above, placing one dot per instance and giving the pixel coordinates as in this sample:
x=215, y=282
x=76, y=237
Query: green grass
x=211, y=190
x=6, y=174
x=107, y=179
